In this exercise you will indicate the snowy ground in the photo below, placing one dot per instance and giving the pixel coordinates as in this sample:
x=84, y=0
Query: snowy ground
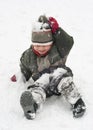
x=16, y=17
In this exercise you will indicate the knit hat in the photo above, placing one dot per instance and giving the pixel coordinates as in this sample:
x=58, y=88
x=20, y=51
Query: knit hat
x=41, y=34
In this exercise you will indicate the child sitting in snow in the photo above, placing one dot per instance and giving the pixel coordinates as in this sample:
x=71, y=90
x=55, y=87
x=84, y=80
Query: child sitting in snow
x=44, y=62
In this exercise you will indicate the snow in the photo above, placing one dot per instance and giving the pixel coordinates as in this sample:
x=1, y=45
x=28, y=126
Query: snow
x=36, y=26
x=16, y=18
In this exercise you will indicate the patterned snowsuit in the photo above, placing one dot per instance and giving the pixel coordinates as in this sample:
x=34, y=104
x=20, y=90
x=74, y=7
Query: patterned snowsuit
x=59, y=82
x=50, y=74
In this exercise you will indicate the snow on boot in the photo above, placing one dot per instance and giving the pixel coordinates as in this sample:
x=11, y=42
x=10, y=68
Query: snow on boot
x=79, y=108
x=28, y=104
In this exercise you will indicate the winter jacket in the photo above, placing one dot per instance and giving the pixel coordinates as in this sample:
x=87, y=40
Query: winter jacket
x=33, y=66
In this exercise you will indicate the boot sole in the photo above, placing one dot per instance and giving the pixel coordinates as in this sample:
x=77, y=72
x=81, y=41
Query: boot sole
x=26, y=102
x=26, y=99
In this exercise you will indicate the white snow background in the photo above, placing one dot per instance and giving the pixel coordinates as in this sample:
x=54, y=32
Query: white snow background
x=16, y=18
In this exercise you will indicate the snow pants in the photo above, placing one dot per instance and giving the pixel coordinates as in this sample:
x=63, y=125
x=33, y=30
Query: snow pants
x=59, y=82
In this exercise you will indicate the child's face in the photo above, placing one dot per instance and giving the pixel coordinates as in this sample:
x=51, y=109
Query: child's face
x=42, y=49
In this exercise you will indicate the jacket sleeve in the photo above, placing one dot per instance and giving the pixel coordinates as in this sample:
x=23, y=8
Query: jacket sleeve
x=63, y=42
x=24, y=65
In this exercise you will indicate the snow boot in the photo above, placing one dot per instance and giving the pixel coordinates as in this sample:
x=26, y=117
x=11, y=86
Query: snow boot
x=28, y=104
x=79, y=108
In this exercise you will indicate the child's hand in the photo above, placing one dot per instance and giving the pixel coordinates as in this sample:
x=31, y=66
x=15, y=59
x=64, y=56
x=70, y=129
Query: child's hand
x=53, y=24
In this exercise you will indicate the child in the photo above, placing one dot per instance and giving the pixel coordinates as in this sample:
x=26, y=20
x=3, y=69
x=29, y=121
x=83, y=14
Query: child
x=44, y=62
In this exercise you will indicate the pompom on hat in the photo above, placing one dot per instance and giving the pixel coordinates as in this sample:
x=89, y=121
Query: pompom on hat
x=41, y=34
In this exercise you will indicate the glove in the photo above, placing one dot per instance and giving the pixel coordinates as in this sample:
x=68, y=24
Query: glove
x=18, y=77
x=13, y=78
x=47, y=70
x=53, y=24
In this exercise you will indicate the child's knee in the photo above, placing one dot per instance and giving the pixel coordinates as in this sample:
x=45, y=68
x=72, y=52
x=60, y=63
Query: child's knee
x=65, y=84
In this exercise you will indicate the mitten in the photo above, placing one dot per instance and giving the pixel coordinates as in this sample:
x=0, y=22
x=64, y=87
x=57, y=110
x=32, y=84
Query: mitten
x=37, y=75
x=13, y=78
x=53, y=24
